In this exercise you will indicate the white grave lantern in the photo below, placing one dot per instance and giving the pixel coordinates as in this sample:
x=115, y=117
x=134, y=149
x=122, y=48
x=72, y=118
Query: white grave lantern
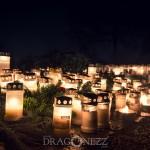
x=4, y=79
x=44, y=81
x=89, y=113
x=14, y=101
x=103, y=110
x=133, y=101
x=62, y=112
x=103, y=84
x=30, y=81
x=4, y=61
x=76, y=109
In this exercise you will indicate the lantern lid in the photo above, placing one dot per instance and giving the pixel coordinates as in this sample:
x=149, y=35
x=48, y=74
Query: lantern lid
x=9, y=75
x=7, y=70
x=4, y=54
x=79, y=80
x=103, y=97
x=63, y=100
x=72, y=75
x=89, y=98
x=70, y=91
x=122, y=91
x=14, y=86
x=118, y=83
x=97, y=84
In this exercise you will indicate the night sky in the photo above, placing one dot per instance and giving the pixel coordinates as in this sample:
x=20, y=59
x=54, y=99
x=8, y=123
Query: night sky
x=100, y=30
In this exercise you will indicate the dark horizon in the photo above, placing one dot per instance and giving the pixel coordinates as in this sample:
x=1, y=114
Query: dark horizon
x=113, y=32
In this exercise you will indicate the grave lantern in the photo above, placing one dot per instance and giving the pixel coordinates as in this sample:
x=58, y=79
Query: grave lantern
x=4, y=79
x=70, y=83
x=62, y=112
x=136, y=83
x=30, y=81
x=89, y=113
x=92, y=71
x=76, y=109
x=117, y=86
x=4, y=61
x=103, y=84
x=37, y=72
x=103, y=110
x=55, y=75
x=14, y=101
x=120, y=101
x=133, y=101
x=96, y=86
x=145, y=104
x=44, y=81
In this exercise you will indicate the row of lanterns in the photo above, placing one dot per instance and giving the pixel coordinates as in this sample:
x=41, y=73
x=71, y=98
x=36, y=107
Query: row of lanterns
x=91, y=110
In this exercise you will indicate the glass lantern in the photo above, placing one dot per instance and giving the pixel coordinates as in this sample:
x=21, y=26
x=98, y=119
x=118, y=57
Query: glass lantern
x=103, y=84
x=30, y=81
x=14, y=102
x=7, y=72
x=92, y=69
x=76, y=109
x=4, y=79
x=70, y=83
x=37, y=72
x=103, y=110
x=55, y=74
x=133, y=101
x=117, y=86
x=145, y=104
x=89, y=113
x=136, y=83
x=96, y=86
x=120, y=101
x=4, y=61
x=124, y=83
x=44, y=81
x=62, y=112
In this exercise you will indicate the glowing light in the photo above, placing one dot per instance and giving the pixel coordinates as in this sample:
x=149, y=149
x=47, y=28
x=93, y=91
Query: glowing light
x=126, y=110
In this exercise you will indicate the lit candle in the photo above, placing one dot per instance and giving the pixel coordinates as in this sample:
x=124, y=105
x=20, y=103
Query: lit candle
x=30, y=81
x=76, y=109
x=89, y=113
x=95, y=86
x=44, y=81
x=4, y=61
x=136, y=83
x=103, y=84
x=70, y=83
x=126, y=114
x=120, y=101
x=91, y=69
x=14, y=101
x=4, y=80
x=145, y=105
x=124, y=83
x=62, y=112
x=117, y=86
x=103, y=110
x=133, y=101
